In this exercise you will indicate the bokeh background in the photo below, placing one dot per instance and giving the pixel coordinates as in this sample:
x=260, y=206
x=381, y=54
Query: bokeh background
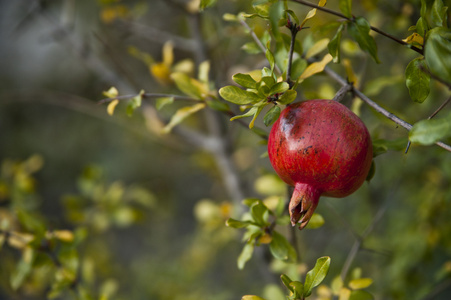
x=154, y=206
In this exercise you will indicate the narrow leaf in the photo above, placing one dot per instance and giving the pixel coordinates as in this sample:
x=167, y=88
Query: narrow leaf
x=237, y=224
x=316, y=67
x=318, y=47
x=312, y=12
x=206, y=3
x=111, y=106
x=181, y=115
x=287, y=282
x=428, y=132
x=359, y=29
x=251, y=297
x=238, y=96
x=334, y=44
x=163, y=101
x=270, y=58
x=188, y=85
x=360, y=283
x=245, y=255
x=417, y=80
x=315, y=276
x=23, y=268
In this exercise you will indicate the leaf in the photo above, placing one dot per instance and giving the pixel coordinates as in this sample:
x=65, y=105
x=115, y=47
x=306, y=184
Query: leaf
x=334, y=44
x=270, y=58
x=315, y=276
x=316, y=67
x=279, y=88
x=237, y=224
x=168, y=53
x=360, y=283
x=111, y=106
x=417, y=80
x=206, y=3
x=312, y=12
x=287, y=97
x=438, y=52
x=238, y=96
x=298, y=288
x=204, y=71
x=414, y=39
x=251, y=48
x=299, y=65
x=281, y=249
x=428, y=132
x=163, y=101
x=260, y=213
x=359, y=29
x=438, y=14
x=251, y=297
x=189, y=86
x=360, y=295
x=245, y=80
x=181, y=115
x=23, y=268
x=287, y=282
x=134, y=103
x=272, y=115
x=111, y=93
x=245, y=255
x=345, y=7
x=318, y=47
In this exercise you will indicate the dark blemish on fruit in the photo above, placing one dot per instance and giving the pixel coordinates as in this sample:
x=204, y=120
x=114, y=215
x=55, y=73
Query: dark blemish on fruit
x=305, y=151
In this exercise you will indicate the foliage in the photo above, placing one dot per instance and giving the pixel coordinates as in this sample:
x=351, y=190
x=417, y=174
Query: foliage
x=173, y=93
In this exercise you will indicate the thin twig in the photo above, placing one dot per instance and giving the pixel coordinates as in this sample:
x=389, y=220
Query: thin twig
x=332, y=12
x=440, y=108
x=147, y=95
x=294, y=29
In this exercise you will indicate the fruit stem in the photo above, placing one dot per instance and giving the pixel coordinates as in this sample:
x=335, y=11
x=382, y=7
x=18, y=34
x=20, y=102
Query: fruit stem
x=303, y=203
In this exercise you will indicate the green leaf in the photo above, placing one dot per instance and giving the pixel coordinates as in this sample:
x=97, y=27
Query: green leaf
x=287, y=282
x=334, y=44
x=163, y=101
x=272, y=115
x=345, y=7
x=206, y=3
x=270, y=58
x=360, y=295
x=315, y=276
x=281, y=249
x=372, y=171
x=245, y=80
x=428, y=132
x=298, y=288
x=23, y=268
x=251, y=48
x=189, y=86
x=181, y=115
x=134, y=103
x=438, y=52
x=279, y=88
x=237, y=224
x=262, y=9
x=287, y=97
x=417, y=80
x=298, y=67
x=245, y=255
x=360, y=283
x=251, y=297
x=439, y=14
x=359, y=29
x=260, y=213
x=238, y=96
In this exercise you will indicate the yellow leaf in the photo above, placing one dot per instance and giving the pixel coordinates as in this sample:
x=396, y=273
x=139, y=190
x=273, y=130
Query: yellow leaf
x=161, y=73
x=184, y=66
x=344, y=294
x=317, y=48
x=168, y=53
x=182, y=114
x=111, y=106
x=64, y=235
x=414, y=38
x=19, y=240
x=265, y=239
x=350, y=73
x=361, y=283
x=316, y=67
x=193, y=6
x=111, y=93
x=312, y=12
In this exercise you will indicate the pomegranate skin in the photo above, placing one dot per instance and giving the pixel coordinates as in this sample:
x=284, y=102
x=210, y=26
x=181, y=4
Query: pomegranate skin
x=321, y=148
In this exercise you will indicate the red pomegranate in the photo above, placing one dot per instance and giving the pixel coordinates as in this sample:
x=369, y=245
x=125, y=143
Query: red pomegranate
x=321, y=148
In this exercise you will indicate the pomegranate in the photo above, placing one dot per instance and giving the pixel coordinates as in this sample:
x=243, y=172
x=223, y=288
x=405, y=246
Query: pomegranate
x=319, y=147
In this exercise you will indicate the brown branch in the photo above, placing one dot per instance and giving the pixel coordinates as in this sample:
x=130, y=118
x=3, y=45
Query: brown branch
x=332, y=12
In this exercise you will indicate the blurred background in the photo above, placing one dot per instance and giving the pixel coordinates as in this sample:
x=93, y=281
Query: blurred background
x=149, y=209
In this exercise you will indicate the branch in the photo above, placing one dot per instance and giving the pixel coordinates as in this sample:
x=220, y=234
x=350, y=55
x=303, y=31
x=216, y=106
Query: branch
x=332, y=12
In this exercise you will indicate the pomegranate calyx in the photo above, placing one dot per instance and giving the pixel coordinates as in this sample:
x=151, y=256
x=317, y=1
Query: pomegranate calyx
x=303, y=203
